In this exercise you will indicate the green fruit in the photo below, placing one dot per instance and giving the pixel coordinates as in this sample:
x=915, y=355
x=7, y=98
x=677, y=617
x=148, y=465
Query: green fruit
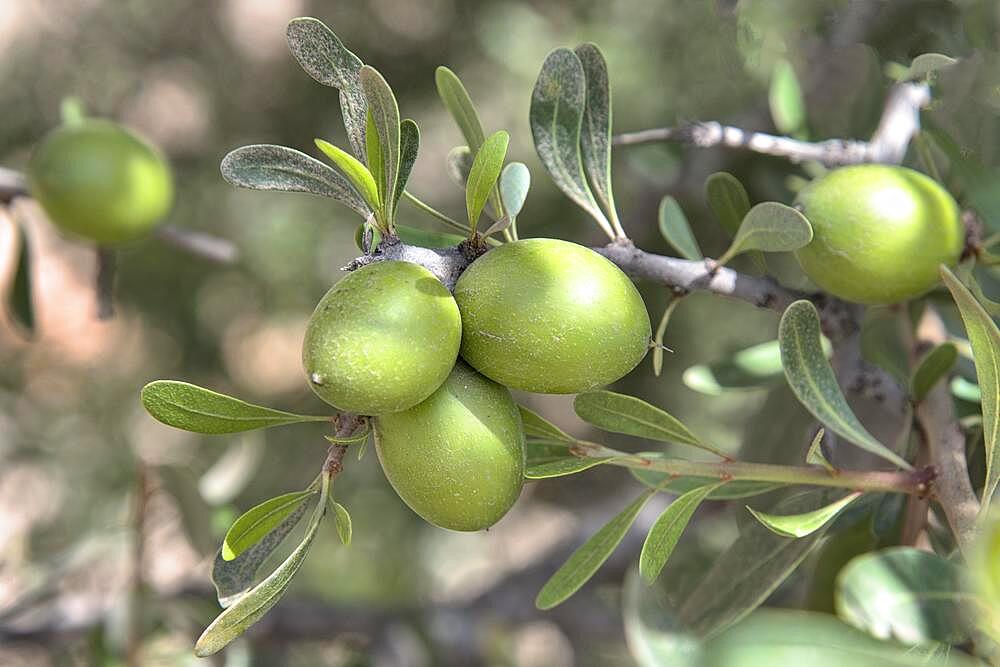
x=550, y=316
x=457, y=459
x=879, y=233
x=99, y=181
x=382, y=339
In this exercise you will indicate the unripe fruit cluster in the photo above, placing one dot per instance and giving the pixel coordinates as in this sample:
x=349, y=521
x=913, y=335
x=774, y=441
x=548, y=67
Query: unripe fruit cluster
x=538, y=315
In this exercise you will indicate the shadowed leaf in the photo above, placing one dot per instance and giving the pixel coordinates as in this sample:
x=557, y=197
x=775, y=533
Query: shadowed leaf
x=676, y=231
x=459, y=164
x=595, y=135
x=344, y=525
x=667, y=530
x=931, y=368
x=537, y=426
x=730, y=491
x=253, y=525
x=788, y=109
x=800, y=525
x=409, y=144
x=566, y=465
x=20, y=298
x=385, y=119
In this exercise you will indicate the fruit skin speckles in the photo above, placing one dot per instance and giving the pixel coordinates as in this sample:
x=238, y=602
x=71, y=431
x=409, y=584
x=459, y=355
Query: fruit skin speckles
x=550, y=316
x=383, y=339
x=879, y=233
x=458, y=458
x=97, y=180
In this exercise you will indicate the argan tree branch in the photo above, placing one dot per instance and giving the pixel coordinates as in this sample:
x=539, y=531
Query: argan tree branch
x=900, y=122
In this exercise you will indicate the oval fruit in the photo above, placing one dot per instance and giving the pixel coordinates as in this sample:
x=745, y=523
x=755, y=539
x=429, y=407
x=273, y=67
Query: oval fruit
x=879, y=233
x=99, y=181
x=457, y=459
x=550, y=316
x=382, y=339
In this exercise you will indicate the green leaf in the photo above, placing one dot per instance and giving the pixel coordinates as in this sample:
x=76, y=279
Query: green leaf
x=811, y=378
x=619, y=413
x=736, y=489
x=566, y=465
x=728, y=200
x=814, y=456
x=20, y=298
x=354, y=439
x=925, y=65
x=385, y=118
x=355, y=171
x=269, y=167
x=409, y=144
x=985, y=340
x=233, y=578
x=931, y=368
x=427, y=239
x=965, y=390
x=250, y=528
x=676, y=231
x=252, y=606
x=539, y=427
x=905, y=594
x=459, y=164
x=661, y=330
x=788, y=109
x=557, y=108
x=374, y=156
x=750, y=570
x=595, y=135
x=343, y=520
x=771, y=227
x=322, y=55
x=589, y=557
x=459, y=104
x=667, y=530
x=484, y=174
x=800, y=525
x=515, y=180
x=192, y=408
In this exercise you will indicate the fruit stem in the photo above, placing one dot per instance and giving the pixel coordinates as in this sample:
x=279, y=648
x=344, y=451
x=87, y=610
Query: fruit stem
x=914, y=482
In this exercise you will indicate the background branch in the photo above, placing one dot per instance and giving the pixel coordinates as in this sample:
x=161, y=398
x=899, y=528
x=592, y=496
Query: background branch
x=12, y=185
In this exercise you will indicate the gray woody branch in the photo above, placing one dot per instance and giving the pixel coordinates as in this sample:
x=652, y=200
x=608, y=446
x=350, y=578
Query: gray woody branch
x=900, y=121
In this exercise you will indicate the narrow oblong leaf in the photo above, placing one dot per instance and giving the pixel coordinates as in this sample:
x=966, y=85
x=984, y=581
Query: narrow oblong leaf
x=667, y=530
x=811, y=378
x=595, y=134
x=733, y=490
x=233, y=578
x=459, y=164
x=800, y=525
x=770, y=227
x=269, y=167
x=985, y=340
x=537, y=426
x=676, y=231
x=323, y=56
x=193, y=408
x=907, y=595
x=788, y=109
x=814, y=456
x=384, y=114
x=619, y=413
x=459, y=104
x=409, y=145
x=354, y=439
x=20, y=298
x=515, y=180
x=588, y=558
x=566, y=465
x=252, y=606
x=661, y=331
x=557, y=107
x=484, y=174
x=257, y=522
x=931, y=368
x=344, y=526
x=355, y=171
x=374, y=157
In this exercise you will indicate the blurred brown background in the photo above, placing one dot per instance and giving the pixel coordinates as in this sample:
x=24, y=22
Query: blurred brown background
x=200, y=78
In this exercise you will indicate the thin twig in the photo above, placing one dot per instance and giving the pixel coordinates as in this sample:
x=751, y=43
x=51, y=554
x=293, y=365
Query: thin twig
x=200, y=244
x=104, y=282
x=900, y=121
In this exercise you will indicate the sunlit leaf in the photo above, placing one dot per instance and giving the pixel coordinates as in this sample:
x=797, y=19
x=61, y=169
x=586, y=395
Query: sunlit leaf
x=800, y=525
x=788, y=109
x=589, y=557
x=667, y=530
x=965, y=390
x=676, y=231
x=253, y=525
x=595, y=134
x=771, y=227
x=814, y=456
x=515, y=180
x=811, y=378
x=192, y=408
x=537, y=426
x=985, y=339
x=322, y=55
x=931, y=368
x=385, y=118
x=269, y=167
x=619, y=413
x=557, y=108
x=344, y=526
x=355, y=171
x=484, y=174
x=905, y=594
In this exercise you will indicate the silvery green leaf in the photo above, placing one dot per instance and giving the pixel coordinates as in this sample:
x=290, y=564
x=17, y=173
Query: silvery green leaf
x=345, y=528
x=676, y=230
x=384, y=115
x=771, y=227
x=515, y=180
x=459, y=164
x=595, y=135
x=814, y=456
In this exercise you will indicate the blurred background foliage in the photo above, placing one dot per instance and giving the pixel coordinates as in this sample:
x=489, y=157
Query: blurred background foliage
x=200, y=78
